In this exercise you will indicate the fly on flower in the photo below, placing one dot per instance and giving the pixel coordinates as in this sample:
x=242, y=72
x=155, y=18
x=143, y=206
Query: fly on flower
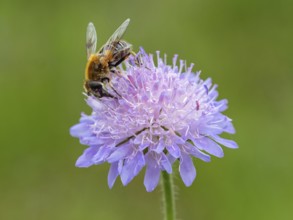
x=101, y=63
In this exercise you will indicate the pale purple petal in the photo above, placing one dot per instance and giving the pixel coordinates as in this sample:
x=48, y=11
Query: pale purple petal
x=91, y=140
x=174, y=150
x=80, y=130
x=86, y=159
x=151, y=178
x=209, y=146
x=171, y=158
x=152, y=174
x=166, y=163
x=160, y=146
x=102, y=154
x=113, y=174
x=187, y=169
x=132, y=167
x=222, y=105
x=197, y=153
x=120, y=153
x=229, y=128
x=225, y=142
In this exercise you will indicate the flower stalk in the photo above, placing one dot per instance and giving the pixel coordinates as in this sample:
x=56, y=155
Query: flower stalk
x=168, y=196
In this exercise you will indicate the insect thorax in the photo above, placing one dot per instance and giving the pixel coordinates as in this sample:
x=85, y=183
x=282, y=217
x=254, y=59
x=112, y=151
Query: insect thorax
x=95, y=69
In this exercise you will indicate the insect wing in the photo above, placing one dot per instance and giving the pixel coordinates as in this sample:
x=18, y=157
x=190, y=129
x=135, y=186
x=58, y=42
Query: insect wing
x=91, y=39
x=117, y=35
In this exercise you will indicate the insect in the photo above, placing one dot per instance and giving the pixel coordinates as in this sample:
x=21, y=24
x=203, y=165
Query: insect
x=100, y=64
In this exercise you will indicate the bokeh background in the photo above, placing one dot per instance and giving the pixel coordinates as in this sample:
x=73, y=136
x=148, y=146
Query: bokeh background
x=245, y=46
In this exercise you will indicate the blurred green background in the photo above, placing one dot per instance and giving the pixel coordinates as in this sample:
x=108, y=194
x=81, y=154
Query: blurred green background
x=245, y=46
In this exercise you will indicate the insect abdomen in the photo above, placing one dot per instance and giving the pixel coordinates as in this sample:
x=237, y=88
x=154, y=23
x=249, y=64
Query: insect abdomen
x=89, y=69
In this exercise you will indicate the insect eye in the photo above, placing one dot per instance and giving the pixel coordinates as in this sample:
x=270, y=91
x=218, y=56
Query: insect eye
x=95, y=86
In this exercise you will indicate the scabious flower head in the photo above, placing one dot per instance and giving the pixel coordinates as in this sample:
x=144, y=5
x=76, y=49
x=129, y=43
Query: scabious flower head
x=162, y=113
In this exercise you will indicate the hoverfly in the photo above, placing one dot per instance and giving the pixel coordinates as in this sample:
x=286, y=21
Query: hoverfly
x=100, y=64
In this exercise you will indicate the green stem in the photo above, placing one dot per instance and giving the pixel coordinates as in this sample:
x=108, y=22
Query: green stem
x=168, y=196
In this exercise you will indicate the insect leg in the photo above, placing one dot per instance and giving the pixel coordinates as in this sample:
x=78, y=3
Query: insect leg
x=106, y=82
x=115, y=91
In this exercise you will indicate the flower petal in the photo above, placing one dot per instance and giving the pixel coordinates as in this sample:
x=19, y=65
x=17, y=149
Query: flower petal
x=225, y=142
x=113, y=174
x=151, y=178
x=91, y=140
x=80, y=130
x=222, y=105
x=166, y=163
x=119, y=153
x=102, y=154
x=131, y=168
x=86, y=159
x=197, y=153
x=174, y=150
x=187, y=169
x=95, y=104
x=152, y=174
x=160, y=146
x=209, y=146
x=229, y=128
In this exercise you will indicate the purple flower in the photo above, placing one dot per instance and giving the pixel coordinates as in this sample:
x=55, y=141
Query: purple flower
x=163, y=113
